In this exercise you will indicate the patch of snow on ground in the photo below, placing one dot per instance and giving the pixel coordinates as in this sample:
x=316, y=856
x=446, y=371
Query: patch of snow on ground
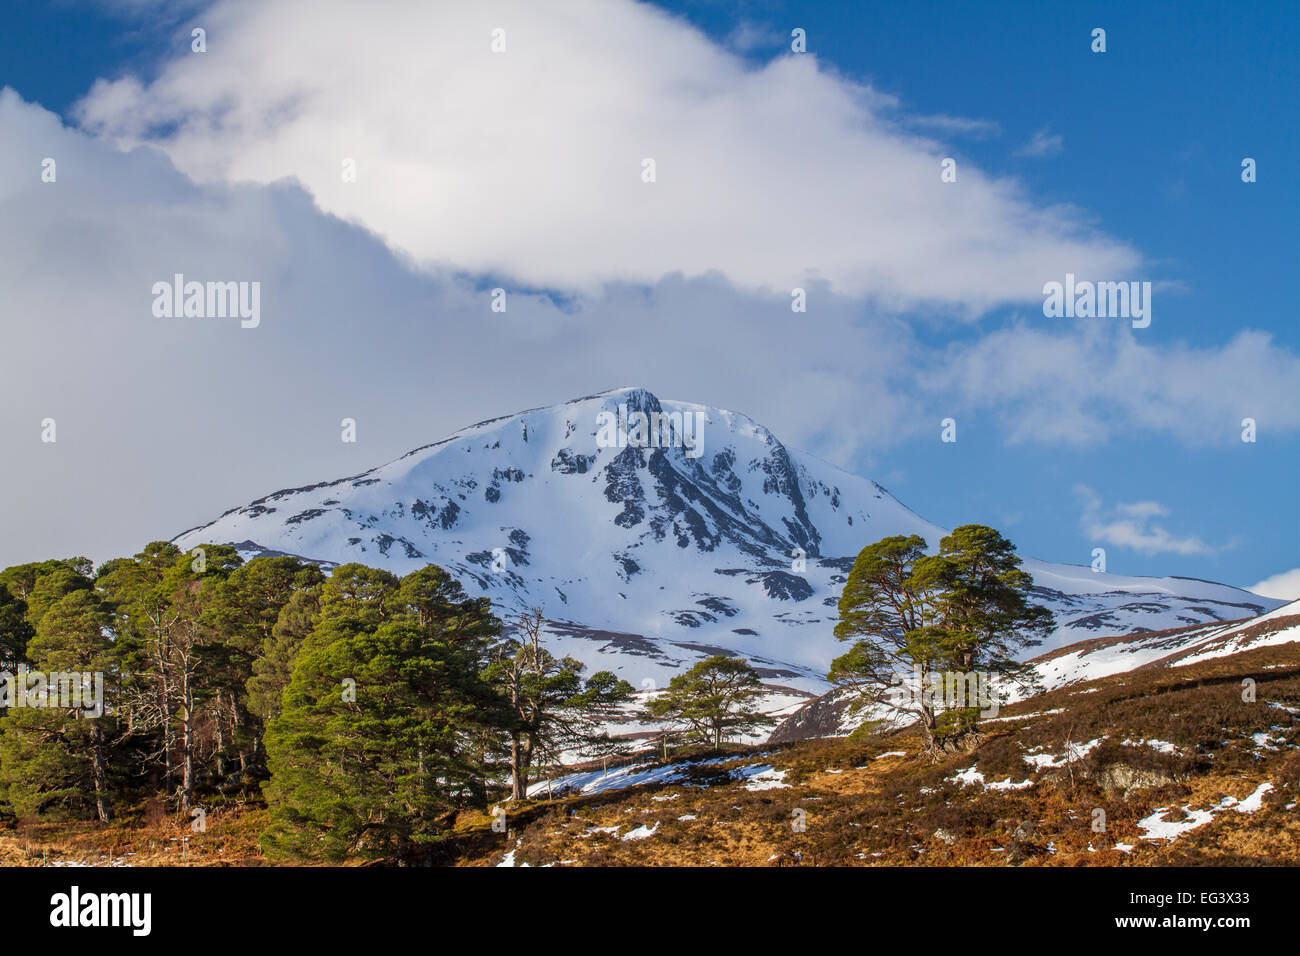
x=1072, y=753
x=641, y=832
x=1043, y=713
x=1265, y=741
x=761, y=777
x=1255, y=801
x=1158, y=828
x=596, y=781
x=968, y=777
x=1164, y=746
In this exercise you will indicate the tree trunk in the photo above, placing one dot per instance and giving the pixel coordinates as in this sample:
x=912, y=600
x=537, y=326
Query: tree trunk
x=99, y=762
x=237, y=726
x=187, y=748
x=927, y=712
x=221, y=739
x=518, y=775
x=169, y=736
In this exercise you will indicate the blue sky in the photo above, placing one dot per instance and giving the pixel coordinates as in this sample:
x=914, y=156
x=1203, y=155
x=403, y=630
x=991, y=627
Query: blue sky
x=1141, y=146
x=1153, y=133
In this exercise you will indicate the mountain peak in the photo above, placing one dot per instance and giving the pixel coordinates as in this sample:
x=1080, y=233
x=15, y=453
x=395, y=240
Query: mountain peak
x=652, y=533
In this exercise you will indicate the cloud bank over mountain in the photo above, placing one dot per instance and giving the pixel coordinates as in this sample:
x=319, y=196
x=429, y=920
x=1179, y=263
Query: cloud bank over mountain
x=522, y=170
x=528, y=161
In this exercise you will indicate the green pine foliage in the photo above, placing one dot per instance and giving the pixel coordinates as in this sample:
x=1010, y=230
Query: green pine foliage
x=54, y=759
x=715, y=699
x=367, y=708
x=375, y=746
x=15, y=629
x=919, y=621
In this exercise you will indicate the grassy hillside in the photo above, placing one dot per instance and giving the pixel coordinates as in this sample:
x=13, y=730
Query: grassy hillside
x=1221, y=772
x=1180, y=739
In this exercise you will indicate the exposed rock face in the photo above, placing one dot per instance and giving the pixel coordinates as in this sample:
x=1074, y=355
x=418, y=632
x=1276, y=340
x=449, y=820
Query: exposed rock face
x=827, y=716
x=1125, y=777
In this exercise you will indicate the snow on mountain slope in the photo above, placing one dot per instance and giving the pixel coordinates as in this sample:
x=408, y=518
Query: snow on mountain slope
x=831, y=715
x=1090, y=660
x=647, y=559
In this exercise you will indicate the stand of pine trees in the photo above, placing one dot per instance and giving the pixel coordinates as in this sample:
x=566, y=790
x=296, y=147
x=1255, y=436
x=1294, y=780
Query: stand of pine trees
x=366, y=709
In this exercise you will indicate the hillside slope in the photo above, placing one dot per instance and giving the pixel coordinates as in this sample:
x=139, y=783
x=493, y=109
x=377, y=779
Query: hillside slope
x=1152, y=767
x=1182, y=767
x=831, y=714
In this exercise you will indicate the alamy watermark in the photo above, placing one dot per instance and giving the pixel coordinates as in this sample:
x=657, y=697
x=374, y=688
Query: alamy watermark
x=950, y=690
x=652, y=430
x=63, y=690
x=129, y=910
x=179, y=299
x=1099, y=300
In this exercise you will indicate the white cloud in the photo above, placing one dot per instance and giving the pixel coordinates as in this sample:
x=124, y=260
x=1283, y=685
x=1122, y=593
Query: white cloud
x=1092, y=380
x=956, y=125
x=1043, y=143
x=1130, y=525
x=528, y=163
x=165, y=423
x=176, y=420
x=1284, y=586
x=749, y=36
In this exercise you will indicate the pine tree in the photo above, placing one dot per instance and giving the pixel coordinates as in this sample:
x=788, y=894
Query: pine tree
x=891, y=616
x=551, y=708
x=55, y=757
x=716, y=699
x=15, y=630
x=40, y=584
x=374, y=748
x=988, y=618
x=244, y=611
x=926, y=627
x=173, y=650
x=273, y=669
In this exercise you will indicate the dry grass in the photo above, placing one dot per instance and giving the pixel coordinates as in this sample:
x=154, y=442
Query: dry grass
x=230, y=839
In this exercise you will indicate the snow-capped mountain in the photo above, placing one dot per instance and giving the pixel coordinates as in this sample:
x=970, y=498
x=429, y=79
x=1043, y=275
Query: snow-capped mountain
x=654, y=533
